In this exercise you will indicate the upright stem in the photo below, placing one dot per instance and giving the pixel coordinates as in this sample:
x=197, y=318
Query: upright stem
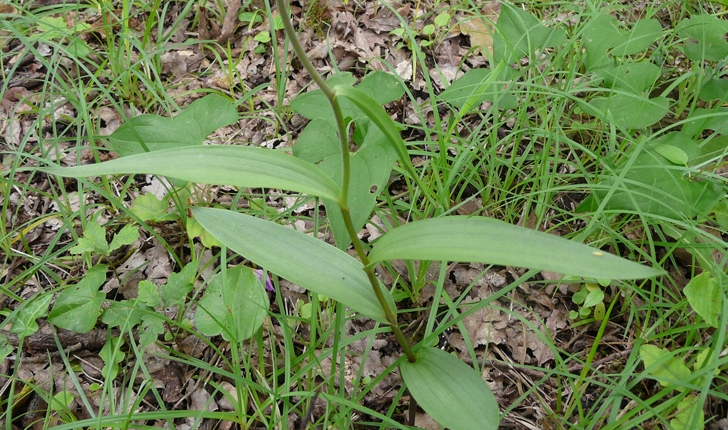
x=346, y=172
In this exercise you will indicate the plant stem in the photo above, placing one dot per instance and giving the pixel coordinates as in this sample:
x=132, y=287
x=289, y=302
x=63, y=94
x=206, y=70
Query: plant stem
x=343, y=204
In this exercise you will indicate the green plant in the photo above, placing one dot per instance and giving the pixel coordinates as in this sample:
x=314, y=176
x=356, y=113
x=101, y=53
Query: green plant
x=439, y=381
x=428, y=33
x=560, y=113
x=590, y=297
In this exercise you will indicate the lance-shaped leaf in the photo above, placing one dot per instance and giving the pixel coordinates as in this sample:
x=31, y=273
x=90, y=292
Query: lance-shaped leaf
x=450, y=391
x=297, y=257
x=488, y=240
x=218, y=165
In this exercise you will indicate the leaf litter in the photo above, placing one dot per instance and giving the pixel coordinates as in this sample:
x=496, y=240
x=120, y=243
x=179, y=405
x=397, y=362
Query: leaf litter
x=507, y=335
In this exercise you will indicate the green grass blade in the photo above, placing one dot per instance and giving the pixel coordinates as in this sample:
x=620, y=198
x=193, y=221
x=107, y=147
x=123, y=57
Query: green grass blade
x=450, y=391
x=492, y=241
x=218, y=165
x=297, y=257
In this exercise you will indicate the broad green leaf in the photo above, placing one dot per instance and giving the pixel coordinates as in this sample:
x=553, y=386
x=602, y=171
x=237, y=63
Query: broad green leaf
x=178, y=285
x=382, y=87
x=487, y=240
x=370, y=169
x=599, y=311
x=149, y=208
x=5, y=347
x=601, y=34
x=112, y=355
x=672, y=154
x=654, y=185
x=61, y=401
x=690, y=412
x=93, y=240
x=701, y=361
x=235, y=304
x=714, y=89
x=705, y=37
x=663, y=366
x=628, y=111
x=262, y=37
x=380, y=117
x=520, y=34
x=342, y=78
x=148, y=294
x=479, y=85
x=240, y=166
x=305, y=310
x=680, y=141
x=594, y=297
x=124, y=314
x=152, y=326
x=78, y=306
x=643, y=33
x=189, y=128
x=125, y=236
x=51, y=28
x=705, y=297
x=194, y=229
x=720, y=212
x=24, y=322
x=580, y=296
x=297, y=257
x=706, y=119
x=442, y=19
x=315, y=105
x=450, y=391
x=604, y=37
x=78, y=48
x=691, y=242
x=632, y=77
x=254, y=17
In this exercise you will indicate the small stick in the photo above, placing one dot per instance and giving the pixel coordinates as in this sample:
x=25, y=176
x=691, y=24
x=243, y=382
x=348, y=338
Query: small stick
x=309, y=411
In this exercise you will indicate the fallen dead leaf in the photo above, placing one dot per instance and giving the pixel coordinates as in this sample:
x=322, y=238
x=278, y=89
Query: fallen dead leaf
x=481, y=36
x=520, y=338
x=486, y=326
x=480, y=28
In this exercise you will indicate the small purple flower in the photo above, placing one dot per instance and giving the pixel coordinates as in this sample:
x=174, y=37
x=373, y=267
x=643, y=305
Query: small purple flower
x=268, y=282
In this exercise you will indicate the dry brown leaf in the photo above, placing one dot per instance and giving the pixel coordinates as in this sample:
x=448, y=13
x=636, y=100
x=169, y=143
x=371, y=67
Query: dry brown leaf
x=480, y=28
x=486, y=326
x=481, y=36
x=231, y=19
x=520, y=338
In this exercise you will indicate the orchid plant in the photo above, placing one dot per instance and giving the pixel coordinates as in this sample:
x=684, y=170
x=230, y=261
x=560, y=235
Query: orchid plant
x=452, y=392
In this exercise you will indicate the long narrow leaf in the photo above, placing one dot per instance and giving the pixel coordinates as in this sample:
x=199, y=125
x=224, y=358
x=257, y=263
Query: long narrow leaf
x=218, y=165
x=297, y=257
x=454, y=394
x=487, y=240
